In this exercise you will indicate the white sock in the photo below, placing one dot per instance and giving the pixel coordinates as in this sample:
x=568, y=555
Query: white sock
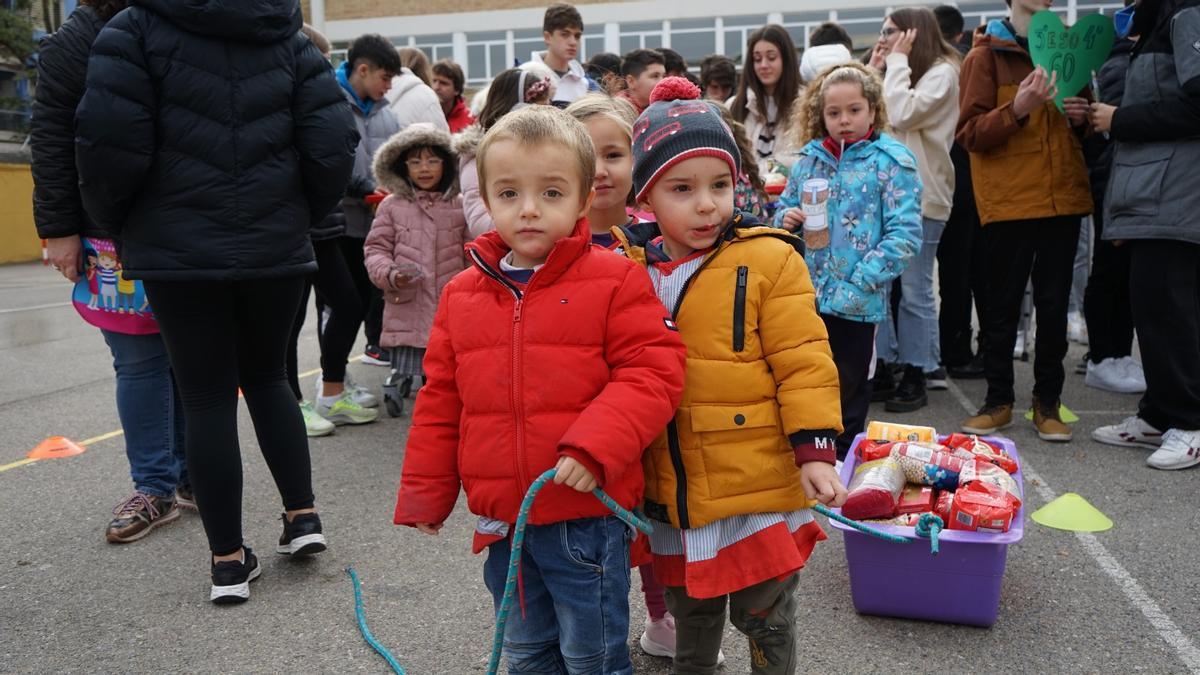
x=328, y=400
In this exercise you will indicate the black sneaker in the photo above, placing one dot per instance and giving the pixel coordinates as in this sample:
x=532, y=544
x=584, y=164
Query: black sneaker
x=971, y=370
x=910, y=395
x=936, y=381
x=1081, y=367
x=231, y=579
x=884, y=384
x=374, y=355
x=185, y=498
x=301, y=536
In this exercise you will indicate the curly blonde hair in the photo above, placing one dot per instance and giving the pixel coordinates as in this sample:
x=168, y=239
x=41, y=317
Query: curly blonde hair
x=808, y=120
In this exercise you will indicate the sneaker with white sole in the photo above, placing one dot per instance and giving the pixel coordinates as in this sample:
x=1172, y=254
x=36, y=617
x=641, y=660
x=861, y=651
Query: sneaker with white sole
x=1077, y=328
x=1131, y=432
x=658, y=639
x=301, y=535
x=1179, y=450
x=1134, y=371
x=375, y=355
x=936, y=380
x=1112, y=375
x=231, y=579
x=362, y=395
x=345, y=410
x=314, y=425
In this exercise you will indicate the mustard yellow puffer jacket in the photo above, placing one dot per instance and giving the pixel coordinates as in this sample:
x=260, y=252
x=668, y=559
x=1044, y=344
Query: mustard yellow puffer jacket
x=761, y=389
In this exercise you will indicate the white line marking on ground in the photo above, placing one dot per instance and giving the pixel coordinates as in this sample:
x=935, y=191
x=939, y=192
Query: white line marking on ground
x=14, y=310
x=1167, y=629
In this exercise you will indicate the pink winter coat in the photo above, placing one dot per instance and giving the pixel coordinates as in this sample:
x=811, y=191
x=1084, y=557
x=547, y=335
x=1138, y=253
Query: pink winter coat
x=417, y=233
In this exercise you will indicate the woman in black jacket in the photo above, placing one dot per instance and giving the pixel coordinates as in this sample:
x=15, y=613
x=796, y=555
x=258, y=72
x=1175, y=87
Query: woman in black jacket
x=211, y=136
x=147, y=401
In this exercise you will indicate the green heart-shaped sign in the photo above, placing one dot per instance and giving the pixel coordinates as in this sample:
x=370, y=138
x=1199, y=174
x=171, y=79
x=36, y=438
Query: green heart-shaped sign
x=1074, y=54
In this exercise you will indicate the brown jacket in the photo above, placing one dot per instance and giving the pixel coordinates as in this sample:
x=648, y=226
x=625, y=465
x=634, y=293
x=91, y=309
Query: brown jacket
x=1022, y=169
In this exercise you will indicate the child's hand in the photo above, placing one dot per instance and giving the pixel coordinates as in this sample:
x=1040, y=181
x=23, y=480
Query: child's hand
x=575, y=475
x=820, y=482
x=793, y=219
x=429, y=528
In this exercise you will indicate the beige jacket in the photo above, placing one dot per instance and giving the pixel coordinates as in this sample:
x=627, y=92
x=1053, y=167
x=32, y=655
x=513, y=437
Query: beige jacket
x=923, y=118
x=785, y=151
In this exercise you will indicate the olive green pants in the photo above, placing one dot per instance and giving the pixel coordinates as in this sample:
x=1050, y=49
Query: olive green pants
x=765, y=613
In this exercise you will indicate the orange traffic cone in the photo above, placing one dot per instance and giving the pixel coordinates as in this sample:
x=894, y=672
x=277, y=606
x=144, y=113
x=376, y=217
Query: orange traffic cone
x=55, y=447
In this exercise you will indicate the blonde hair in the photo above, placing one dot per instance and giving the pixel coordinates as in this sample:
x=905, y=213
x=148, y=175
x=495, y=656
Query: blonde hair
x=618, y=111
x=808, y=120
x=540, y=125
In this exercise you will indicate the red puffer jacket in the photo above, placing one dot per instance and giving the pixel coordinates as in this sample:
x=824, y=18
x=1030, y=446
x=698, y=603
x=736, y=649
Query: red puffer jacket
x=583, y=362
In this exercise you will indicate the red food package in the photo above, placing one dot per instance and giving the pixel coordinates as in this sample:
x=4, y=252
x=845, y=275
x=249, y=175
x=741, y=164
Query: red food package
x=874, y=490
x=942, y=506
x=869, y=450
x=981, y=471
x=915, y=499
x=981, y=507
x=984, y=450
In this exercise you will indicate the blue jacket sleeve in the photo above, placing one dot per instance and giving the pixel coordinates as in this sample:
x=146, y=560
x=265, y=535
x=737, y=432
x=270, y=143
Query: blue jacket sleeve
x=901, y=235
x=115, y=124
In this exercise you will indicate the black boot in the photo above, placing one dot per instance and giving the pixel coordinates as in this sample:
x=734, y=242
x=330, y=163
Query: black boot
x=884, y=384
x=910, y=395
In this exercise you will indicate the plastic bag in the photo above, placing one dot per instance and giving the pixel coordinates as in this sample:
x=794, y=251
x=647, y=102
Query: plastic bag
x=915, y=499
x=869, y=450
x=926, y=464
x=982, y=449
x=941, y=507
x=982, y=471
x=874, y=490
x=981, y=507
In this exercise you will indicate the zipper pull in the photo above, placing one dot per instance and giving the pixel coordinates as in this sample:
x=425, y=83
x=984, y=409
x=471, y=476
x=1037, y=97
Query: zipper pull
x=517, y=311
x=742, y=274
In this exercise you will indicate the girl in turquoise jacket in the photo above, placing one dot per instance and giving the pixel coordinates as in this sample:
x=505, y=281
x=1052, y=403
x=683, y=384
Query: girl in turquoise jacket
x=873, y=213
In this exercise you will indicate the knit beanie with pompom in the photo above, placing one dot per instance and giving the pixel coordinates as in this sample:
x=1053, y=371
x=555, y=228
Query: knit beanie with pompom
x=677, y=126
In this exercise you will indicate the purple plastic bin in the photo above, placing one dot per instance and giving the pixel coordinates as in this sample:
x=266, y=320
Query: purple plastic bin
x=959, y=585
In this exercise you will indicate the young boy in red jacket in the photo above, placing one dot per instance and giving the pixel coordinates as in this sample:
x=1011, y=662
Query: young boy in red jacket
x=545, y=353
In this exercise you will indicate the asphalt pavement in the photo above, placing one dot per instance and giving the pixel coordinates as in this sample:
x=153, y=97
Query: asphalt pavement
x=1125, y=600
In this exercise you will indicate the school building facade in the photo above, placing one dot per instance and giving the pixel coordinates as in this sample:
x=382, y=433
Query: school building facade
x=487, y=36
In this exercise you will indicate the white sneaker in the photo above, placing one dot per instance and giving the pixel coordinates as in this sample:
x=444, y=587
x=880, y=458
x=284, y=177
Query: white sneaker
x=1180, y=450
x=1077, y=328
x=1132, y=432
x=361, y=396
x=1112, y=375
x=314, y=424
x=1134, y=371
x=344, y=409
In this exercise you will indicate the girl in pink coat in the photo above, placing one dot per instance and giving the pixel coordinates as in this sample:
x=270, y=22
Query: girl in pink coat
x=416, y=242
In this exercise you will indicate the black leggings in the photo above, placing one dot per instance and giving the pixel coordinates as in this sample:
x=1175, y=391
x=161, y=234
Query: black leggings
x=371, y=296
x=339, y=291
x=222, y=335
x=852, y=343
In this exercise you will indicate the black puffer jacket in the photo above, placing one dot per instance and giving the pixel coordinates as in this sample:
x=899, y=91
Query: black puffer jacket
x=211, y=136
x=62, y=69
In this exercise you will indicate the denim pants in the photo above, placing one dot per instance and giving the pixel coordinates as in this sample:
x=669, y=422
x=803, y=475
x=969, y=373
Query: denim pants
x=912, y=339
x=575, y=578
x=150, y=411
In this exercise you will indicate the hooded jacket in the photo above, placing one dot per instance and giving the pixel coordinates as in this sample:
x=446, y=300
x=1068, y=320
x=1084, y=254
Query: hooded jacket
x=1022, y=169
x=62, y=72
x=414, y=230
x=874, y=216
x=1153, y=192
x=211, y=136
x=762, y=392
x=414, y=102
x=466, y=145
x=582, y=362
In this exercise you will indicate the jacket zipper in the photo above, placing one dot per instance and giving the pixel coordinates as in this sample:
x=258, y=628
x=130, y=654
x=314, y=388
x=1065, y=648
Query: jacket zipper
x=739, y=309
x=515, y=374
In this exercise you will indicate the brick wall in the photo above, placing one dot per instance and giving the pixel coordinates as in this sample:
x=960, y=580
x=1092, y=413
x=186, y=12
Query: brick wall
x=365, y=9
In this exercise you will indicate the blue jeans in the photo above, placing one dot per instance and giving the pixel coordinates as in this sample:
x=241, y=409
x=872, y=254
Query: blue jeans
x=913, y=338
x=575, y=576
x=150, y=411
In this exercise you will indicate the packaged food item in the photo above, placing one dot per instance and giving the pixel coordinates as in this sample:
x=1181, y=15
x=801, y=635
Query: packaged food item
x=915, y=499
x=889, y=431
x=903, y=520
x=874, y=490
x=942, y=506
x=869, y=450
x=925, y=464
x=988, y=451
x=981, y=471
x=981, y=508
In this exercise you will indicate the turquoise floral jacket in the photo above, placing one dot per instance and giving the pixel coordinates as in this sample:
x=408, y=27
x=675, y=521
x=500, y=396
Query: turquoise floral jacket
x=874, y=214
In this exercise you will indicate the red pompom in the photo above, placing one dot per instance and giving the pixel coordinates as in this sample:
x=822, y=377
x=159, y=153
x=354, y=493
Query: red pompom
x=675, y=89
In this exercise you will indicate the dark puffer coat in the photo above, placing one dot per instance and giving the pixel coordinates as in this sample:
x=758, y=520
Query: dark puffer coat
x=212, y=135
x=62, y=67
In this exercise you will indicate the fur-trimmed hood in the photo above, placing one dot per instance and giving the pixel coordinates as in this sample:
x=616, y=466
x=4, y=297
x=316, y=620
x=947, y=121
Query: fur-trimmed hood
x=466, y=143
x=414, y=135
